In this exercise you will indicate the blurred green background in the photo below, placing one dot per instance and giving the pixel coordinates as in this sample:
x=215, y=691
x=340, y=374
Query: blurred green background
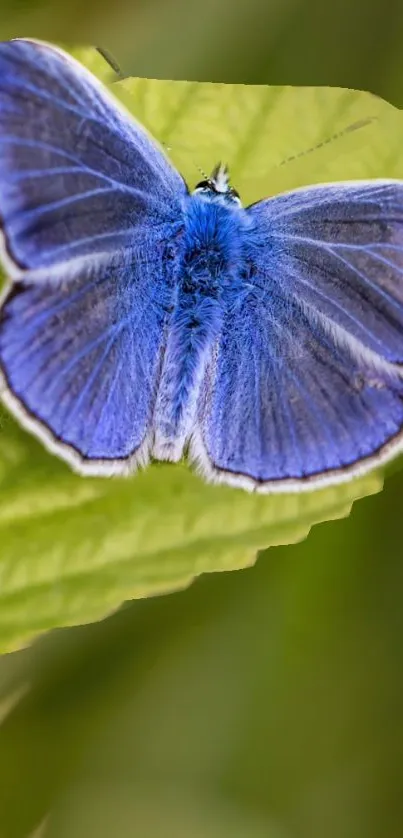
x=261, y=703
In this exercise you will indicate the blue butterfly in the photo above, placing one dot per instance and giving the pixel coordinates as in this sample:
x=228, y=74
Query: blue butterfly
x=146, y=321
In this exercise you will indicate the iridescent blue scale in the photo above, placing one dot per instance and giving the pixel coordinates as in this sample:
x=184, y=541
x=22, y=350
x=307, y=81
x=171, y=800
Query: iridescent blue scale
x=144, y=322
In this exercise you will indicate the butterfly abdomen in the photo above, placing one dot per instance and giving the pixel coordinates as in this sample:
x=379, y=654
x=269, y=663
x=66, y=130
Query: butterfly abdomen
x=210, y=264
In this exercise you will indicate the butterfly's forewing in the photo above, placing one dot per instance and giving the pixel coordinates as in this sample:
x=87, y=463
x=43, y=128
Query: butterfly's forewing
x=306, y=383
x=89, y=206
x=77, y=176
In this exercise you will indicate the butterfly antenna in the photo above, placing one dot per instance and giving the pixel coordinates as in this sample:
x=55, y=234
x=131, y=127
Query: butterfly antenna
x=355, y=126
x=108, y=57
x=202, y=172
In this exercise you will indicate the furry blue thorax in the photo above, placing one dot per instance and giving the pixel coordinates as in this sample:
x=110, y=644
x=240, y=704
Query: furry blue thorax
x=209, y=274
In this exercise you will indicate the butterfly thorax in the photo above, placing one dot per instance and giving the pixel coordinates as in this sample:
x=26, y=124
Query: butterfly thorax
x=210, y=269
x=212, y=245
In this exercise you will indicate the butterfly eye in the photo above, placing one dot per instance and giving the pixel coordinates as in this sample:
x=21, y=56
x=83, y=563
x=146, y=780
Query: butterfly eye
x=204, y=184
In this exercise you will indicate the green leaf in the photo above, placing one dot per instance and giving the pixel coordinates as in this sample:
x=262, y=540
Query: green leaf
x=332, y=133
x=72, y=549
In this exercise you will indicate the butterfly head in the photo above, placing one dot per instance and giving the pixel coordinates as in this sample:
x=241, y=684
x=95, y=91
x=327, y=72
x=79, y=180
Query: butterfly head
x=218, y=186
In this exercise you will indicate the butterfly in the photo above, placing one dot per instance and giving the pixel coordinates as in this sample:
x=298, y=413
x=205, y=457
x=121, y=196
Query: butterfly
x=146, y=321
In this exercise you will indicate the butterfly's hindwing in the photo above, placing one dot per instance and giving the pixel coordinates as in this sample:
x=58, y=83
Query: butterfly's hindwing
x=81, y=360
